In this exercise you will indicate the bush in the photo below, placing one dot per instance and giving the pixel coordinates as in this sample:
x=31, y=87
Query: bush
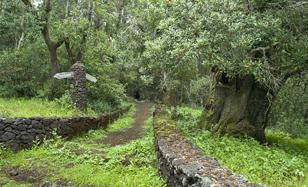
x=290, y=110
x=24, y=71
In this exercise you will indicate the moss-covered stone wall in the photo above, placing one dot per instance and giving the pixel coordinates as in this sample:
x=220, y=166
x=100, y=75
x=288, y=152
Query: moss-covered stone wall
x=183, y=164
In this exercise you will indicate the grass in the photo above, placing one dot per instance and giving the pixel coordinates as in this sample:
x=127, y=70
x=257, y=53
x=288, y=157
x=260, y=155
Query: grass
x=83, y=161
x=283, y=162
x=15, y=107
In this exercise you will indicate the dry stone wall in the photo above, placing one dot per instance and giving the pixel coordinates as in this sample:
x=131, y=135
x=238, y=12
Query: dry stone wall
x=183, y=164
x=21, y=133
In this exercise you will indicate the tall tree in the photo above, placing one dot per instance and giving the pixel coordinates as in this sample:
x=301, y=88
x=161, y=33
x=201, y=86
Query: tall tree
x=251, y=48
x=44, y=20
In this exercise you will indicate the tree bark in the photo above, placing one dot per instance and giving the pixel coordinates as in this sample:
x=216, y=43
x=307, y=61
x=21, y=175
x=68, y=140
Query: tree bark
x=52, y=48
x=69, y=51
x=241, y=108
x=22, y=37
x=55, y=67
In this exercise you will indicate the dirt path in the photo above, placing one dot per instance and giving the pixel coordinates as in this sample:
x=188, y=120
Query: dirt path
x=133, y=133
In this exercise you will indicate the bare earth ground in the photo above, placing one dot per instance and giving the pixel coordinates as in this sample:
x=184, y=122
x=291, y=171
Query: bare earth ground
x=133, y=133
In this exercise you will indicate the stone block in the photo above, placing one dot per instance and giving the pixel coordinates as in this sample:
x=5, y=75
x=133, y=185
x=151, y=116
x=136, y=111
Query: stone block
x=2, y=126
x=8, y=136
x=37, y=125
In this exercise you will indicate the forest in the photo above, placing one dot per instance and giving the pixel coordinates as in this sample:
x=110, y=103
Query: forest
x=229, y=76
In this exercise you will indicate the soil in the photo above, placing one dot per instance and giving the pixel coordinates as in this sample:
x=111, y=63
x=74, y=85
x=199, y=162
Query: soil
x=20, y=175
x=133, y=133
x=35, y=177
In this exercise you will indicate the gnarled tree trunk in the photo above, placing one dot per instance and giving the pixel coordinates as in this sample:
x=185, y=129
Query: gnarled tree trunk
x=241, y=108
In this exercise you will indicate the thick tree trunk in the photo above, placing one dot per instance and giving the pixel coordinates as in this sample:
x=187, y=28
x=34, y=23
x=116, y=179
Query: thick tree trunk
x=241, y=108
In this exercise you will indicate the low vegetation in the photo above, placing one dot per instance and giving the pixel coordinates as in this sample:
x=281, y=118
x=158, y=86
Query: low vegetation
x=282, y=162
x=18, y=107
x=62, y=107
x=86, y=161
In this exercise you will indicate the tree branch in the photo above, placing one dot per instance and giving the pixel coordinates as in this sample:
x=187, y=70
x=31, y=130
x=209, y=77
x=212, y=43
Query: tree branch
x=69, y=51
x=27, y=3
x=59, y=42
x=47, y=6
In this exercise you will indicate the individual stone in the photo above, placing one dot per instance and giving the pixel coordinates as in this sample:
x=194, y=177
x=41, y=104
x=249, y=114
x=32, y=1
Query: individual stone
x=18, y=122
x=65, y=130
x=54, y=125
x=47, y=184
x=15, y=132
x=27, y=121
x=8, y=129
x=2, y=126
x=13, y=172
x=21, y=127
x=9, y=120
x=37, y=125
x=26, y=138
x=8, y=136
x=38, y=131
x=24, y=133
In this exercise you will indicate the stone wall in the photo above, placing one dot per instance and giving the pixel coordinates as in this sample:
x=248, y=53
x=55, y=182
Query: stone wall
x=183, y=164
x=20, y=133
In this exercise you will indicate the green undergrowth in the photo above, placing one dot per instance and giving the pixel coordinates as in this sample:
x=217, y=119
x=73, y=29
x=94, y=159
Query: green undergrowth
x=86, y=161
x=282, y=162
x=18, y=107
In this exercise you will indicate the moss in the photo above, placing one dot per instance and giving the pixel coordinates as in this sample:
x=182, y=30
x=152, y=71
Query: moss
x=164, y=125
x=203, y=120
x=243, y=128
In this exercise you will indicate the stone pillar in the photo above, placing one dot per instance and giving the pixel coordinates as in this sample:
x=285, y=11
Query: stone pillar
x=79, y=94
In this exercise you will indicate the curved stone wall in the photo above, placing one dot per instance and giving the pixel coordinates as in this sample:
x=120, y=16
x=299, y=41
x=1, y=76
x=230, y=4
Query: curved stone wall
x=183, y=164
x=20, y=133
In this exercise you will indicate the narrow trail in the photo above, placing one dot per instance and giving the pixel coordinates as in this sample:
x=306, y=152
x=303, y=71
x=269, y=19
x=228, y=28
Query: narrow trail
x=133, y=133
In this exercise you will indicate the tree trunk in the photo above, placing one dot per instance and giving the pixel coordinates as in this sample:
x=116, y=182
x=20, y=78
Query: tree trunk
x=241, y=108
x=55, y=67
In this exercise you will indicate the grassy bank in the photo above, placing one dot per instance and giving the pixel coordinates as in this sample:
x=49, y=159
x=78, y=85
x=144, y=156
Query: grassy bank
x=284, y=162
x=16, y=107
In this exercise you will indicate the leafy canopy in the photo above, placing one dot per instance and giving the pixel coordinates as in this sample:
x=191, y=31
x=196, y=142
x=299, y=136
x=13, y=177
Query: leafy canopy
x=267, y=39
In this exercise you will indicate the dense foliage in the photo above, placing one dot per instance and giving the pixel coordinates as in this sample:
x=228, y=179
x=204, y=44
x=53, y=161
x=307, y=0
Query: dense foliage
x=236, y=37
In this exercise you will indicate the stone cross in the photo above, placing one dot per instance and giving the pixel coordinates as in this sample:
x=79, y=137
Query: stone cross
x=79, y=77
